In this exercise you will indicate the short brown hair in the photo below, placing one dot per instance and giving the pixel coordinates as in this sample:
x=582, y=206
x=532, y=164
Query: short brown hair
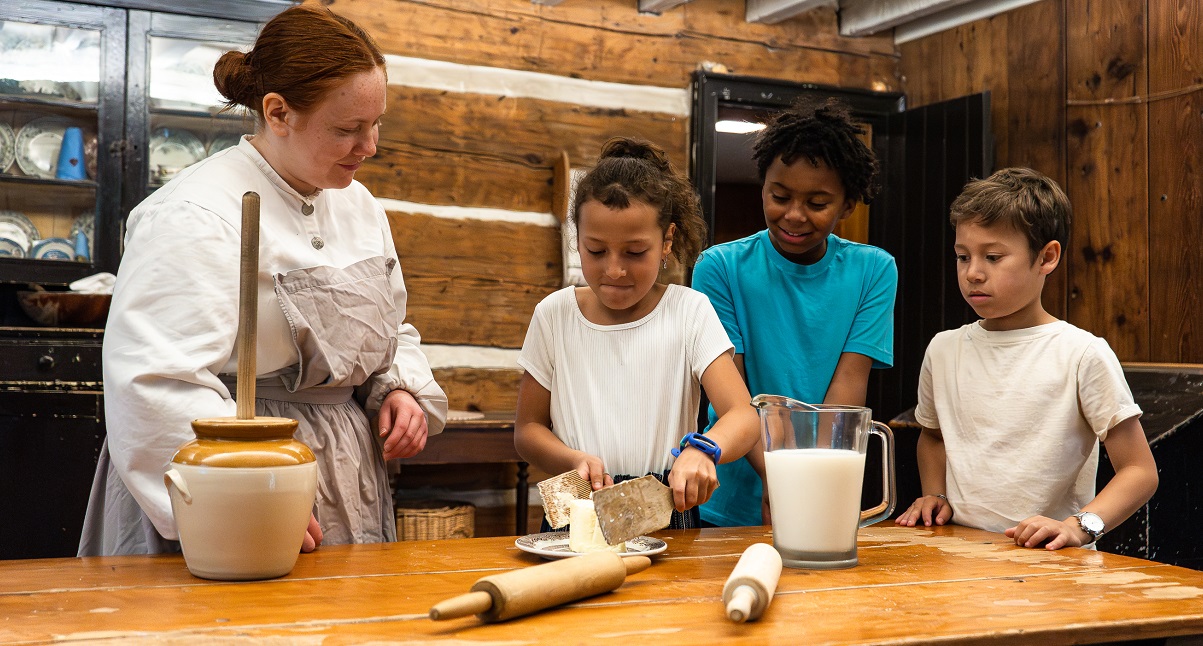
x=301, y=54
x=633, y=169
x=1021, y=198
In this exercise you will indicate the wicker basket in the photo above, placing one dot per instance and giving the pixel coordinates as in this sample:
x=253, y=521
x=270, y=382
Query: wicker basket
x=424, y=520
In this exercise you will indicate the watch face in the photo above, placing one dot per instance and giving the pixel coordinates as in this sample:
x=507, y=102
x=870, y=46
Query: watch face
x=1091, y=522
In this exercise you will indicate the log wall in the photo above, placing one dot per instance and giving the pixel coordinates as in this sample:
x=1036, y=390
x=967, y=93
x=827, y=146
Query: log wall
x=1106, y=97
x=466, y=169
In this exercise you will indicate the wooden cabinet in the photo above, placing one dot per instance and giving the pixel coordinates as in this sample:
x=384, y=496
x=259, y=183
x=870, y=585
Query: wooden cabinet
x=135, y=78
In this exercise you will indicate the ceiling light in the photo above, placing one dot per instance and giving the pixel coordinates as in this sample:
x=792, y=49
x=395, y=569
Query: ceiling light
x=737, y=127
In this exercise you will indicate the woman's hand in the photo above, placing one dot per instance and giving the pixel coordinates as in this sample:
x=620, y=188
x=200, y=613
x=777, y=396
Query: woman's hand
x=313, y=535
x=593, y=470
x=403, y=425
x=693, y=479
x=1052, y=534
x=932, y=510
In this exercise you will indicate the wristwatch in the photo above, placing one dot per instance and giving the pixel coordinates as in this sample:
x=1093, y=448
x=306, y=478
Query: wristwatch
x=1091, y=524
x=701, y=443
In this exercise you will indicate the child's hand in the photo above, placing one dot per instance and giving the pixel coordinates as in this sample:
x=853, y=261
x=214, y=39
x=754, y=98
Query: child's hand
x=929, y=509
x=693, y=479
x=593, y=471
x=1053, y=534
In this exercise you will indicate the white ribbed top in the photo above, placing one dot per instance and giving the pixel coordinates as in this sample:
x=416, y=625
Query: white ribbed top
x=626, y=393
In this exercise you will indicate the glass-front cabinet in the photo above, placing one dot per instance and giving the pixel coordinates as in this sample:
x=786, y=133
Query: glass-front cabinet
x=61, y=95
x=177, y=113
x=100, y=104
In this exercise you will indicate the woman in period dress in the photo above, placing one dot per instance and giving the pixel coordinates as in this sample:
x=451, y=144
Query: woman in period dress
x=334, y=350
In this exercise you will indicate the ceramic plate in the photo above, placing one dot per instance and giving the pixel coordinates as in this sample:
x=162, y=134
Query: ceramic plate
x=38, y=146
x=171, y=151
x=8, y=146
x=554, y=545
x=53, y=249
x=11, y=248
x=222, y=141
x=17, y=218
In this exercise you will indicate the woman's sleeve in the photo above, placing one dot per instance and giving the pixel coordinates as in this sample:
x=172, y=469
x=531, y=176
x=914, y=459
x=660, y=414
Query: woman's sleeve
x=171, y=328
x=410, y=370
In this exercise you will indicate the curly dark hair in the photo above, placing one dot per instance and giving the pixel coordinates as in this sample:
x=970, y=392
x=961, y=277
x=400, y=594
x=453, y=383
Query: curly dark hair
x=633, y=169
x=820, y=132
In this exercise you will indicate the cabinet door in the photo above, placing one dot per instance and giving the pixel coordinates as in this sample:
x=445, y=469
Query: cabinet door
x=61, y=89
x=175, y=115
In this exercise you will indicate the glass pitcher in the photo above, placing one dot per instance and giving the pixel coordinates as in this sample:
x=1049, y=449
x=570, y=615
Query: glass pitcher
x=814, y=466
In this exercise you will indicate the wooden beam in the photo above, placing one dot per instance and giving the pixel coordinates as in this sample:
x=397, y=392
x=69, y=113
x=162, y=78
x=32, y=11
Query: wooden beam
x=774, y=11
x=863, y=17
x=658, y=6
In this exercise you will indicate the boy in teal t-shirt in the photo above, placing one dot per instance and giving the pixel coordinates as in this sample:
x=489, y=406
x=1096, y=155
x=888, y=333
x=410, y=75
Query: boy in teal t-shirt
x=810, y=314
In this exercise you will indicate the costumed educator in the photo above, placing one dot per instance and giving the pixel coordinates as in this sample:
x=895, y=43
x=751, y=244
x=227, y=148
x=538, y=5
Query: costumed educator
x=334, y=350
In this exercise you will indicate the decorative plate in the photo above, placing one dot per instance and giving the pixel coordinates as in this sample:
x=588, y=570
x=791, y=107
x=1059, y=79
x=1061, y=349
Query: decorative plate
x=53, y=249
x=8, y=146
x=11, y=248
x=222, y=141
x=38, y=145
x=17, y=218
x=554, y=545
x=171, y=151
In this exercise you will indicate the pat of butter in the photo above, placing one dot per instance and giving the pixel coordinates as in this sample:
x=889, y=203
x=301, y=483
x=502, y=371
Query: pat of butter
x=584, y=534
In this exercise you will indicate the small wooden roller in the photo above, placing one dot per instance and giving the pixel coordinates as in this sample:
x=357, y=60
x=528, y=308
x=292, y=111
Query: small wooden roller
x=499, y=597
x=750, y=588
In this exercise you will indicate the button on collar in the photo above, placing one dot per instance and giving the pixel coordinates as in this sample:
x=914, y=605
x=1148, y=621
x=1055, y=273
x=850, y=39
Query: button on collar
x=306, y=209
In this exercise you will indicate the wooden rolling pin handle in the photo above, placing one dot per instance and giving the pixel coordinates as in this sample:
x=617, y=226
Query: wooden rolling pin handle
x=520, y=592
x=636, y=564
x=462, y=606
x=752, y=583
x=739, y=608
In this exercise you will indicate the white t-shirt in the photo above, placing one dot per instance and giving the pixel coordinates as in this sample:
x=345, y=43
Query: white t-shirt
x=626, y=393
x=1022, y=413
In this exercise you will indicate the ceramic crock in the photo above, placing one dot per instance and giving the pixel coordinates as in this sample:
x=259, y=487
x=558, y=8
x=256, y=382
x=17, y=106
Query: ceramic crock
x=242, y=493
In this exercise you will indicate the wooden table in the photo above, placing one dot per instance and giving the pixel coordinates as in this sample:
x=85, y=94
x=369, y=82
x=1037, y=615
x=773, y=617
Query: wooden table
x=488, y=440
x=912, y=586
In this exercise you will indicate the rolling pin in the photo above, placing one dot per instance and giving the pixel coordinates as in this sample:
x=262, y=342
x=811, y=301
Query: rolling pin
x=520, y=592
x=750, y=587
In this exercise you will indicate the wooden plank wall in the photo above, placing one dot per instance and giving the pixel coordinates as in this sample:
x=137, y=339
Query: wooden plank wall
x=1106, y=97
x=474, y=279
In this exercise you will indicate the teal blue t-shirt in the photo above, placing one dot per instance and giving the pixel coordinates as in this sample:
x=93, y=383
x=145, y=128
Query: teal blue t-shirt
x=791, y=323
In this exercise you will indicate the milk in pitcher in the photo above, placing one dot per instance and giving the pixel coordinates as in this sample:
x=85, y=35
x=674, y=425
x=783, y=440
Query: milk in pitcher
x=814, y=498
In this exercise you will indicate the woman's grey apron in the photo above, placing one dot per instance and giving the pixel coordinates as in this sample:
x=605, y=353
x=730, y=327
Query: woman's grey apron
x=344, y=326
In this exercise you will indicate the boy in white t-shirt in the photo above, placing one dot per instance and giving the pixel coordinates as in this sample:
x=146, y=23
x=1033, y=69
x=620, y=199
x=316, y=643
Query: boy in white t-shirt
x=1013, y=406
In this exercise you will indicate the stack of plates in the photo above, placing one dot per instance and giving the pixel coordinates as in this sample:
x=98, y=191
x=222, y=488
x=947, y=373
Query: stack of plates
x=17, y=234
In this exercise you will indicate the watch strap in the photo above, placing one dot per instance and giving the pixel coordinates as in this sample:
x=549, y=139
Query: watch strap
x=701, y=443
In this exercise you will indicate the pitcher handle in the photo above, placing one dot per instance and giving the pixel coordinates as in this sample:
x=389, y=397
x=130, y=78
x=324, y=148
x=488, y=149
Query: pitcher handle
x=888, y=485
